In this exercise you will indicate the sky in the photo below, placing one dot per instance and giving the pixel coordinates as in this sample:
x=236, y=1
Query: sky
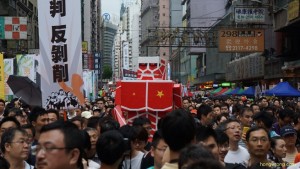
x=112, y=7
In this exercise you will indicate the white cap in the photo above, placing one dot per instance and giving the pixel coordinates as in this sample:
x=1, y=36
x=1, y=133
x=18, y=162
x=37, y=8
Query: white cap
x=86, y=114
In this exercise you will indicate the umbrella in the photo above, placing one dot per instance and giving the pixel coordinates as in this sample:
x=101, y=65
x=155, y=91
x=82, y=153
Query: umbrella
x=25, y=88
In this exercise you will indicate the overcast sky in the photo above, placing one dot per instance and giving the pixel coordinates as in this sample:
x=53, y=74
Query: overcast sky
x=112, y=7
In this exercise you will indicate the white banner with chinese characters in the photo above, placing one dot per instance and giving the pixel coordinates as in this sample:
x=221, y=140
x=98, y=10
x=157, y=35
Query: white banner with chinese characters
x=61, y=53
x=125, y=55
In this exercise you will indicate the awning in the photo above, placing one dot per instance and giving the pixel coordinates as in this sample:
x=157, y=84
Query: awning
x=291, y=26
x=216, y=90
x=221, y=92
x=228, y=91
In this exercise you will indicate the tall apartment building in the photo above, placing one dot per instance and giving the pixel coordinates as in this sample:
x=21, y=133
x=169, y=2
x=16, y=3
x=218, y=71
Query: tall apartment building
x=108, y=35
x=127, y=38
x=149, y=19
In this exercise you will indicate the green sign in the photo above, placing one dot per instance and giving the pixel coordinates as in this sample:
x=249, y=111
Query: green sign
x=226, y=84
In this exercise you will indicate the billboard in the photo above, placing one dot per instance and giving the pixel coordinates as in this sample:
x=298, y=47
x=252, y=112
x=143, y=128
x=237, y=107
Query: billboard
x=241, y=40
x=13, y=27
x=61, y=53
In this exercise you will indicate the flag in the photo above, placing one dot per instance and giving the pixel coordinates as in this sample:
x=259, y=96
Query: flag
x=133, y=96
x=160, y=95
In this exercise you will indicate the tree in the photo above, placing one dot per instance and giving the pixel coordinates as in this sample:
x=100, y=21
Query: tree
x=107, y=72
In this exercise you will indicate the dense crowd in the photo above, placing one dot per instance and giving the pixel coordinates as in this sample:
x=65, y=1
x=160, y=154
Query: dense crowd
x=202, y=134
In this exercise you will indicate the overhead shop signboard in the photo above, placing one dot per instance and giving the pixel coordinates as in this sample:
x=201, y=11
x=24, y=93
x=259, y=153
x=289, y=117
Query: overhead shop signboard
x=249, y=15
x=293, y=10
x=241, y=40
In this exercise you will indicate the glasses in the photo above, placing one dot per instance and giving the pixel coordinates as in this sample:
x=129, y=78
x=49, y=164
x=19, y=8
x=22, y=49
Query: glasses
x=49, y=149
x=261, y=139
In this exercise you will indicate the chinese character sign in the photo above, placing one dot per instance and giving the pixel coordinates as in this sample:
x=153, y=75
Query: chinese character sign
x=125, y=56
x=249, y=15
x=241, y=40
x=61, y=53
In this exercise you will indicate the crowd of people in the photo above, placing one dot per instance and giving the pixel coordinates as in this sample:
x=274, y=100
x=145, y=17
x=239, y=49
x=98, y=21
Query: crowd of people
x=202, y=134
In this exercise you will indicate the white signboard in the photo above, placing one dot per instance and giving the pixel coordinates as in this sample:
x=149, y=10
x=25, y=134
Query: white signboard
x=249, y=15
x=125, y=56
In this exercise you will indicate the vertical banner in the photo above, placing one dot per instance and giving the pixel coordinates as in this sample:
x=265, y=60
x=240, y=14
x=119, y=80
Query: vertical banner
x=25, y=66
x=8, y=70
x=125, y=56
x=61, y=53
x=2, y=95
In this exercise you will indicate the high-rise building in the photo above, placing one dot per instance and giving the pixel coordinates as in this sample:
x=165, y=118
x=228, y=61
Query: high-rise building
x=127, y=38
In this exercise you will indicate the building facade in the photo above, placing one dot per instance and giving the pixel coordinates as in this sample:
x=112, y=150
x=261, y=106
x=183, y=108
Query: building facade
x=21, y=8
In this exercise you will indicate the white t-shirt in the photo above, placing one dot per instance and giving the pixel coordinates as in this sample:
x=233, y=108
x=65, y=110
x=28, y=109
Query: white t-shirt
x=27, y=166
x=135, y=161
x=240, y=156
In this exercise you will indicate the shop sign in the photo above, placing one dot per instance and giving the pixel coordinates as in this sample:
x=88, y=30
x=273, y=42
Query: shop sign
x=241, y=40
x=249, y=15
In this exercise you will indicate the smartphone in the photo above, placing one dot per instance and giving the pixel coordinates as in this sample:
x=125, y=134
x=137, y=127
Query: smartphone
x=245, y=129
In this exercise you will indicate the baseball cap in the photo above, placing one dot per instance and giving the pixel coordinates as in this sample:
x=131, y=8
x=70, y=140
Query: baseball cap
x=86, y=114
x=287, y=130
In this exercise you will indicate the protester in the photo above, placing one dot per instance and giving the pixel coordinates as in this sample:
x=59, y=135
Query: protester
x=278, y=152
x=15, y=148
x=2, y=107
x=38, y=117
x=133, y=158
x=206, y=115
x=193, y=153
x=208, y=137
x=289, y=135
x=236, y=153
x=53, y=115
x=178, y=130
x=110, y=149
x=158, y=148
x=57, y=147
x=258, y=143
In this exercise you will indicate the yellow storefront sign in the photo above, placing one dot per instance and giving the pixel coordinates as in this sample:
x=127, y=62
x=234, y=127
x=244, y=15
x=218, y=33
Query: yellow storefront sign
x=293, y=10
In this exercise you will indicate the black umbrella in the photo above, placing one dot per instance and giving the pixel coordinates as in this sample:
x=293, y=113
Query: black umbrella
x=25, y=88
